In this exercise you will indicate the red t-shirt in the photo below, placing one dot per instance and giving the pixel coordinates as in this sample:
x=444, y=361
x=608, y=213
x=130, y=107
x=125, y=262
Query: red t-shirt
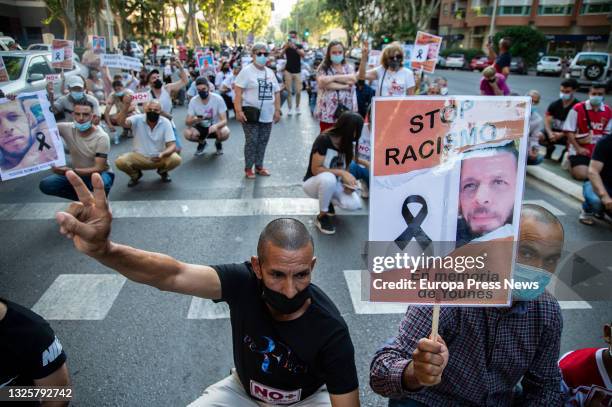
x=581, y=369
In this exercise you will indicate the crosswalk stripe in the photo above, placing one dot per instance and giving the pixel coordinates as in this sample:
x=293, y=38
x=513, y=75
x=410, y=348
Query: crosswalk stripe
x=79, y=297
x=201, y=308
x=217, y=208
x=574, y=305
x=553, y=209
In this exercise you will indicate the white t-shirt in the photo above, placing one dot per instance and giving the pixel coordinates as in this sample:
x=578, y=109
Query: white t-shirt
x=209, y=111
x=150, y=142
x=221, y=77
x=258, y=86
x=395, y=83
x=229, y=83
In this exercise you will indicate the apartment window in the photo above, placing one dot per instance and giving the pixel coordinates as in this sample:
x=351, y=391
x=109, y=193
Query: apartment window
x=515, y=10
x=596, y=8
x=562, y=10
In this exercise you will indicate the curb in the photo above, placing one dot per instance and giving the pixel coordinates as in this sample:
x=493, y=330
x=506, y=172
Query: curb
x=553, y=180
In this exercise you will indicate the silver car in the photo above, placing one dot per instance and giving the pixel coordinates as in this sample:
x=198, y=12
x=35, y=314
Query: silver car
x=27, y=71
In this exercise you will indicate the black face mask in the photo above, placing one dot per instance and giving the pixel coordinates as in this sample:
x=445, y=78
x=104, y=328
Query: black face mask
x=158, y=84
x=281, y=303
x=203, y=94
x=393, y=64
x=152, y=117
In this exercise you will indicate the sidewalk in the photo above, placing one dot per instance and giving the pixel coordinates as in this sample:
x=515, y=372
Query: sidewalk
x=551, y=173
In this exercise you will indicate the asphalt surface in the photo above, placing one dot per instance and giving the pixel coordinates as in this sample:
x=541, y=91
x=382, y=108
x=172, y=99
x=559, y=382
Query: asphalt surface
x=146, y=351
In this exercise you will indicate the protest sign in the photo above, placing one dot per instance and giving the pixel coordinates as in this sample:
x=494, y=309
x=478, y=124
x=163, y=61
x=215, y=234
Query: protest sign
x=98, y=44
x=120, y=62
x=62, y=54
x=32, y=144
x=141, y=97
x=53, y=77
x=429, y=45
x=374, y=58
x=434, y=161
x=408, y=55
x=4, y=76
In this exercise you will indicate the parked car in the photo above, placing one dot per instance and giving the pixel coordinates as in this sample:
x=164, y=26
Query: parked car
x=27, y=71
x=355, y=53
x=479, y=63
x=549, y=65
x=517, y=65
x=9, y=44
x=137, y=50
x=589, y=67
x=455, y=61
x=164, y=51
x=441, y=64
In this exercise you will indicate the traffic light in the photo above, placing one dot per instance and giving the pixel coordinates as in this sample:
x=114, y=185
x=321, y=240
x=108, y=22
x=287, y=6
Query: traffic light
x=306, y=33
x=386, y=39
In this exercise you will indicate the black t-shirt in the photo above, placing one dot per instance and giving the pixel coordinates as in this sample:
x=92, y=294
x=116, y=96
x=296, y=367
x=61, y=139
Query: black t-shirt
x=603, y=153
x=559, y=113
x=324, y=146
x=285, y=362
x=29, y=349
x=294, y=61
x=502, y=61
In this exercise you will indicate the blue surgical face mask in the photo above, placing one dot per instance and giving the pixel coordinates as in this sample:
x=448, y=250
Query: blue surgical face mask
x=524, y=273
x=82, y=126
x=596, y=100
x=261, y=59
x=119, y=94
x=337, y=59
x=565, y=96
x=77, y=95
x=534, y=108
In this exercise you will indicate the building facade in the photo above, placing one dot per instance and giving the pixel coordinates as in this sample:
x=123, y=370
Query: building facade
x=570, y=25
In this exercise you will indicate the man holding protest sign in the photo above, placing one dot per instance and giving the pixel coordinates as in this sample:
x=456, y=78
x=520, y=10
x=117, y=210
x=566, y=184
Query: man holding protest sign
x=89, y=146
x=488, y=351
x=65, y=104
x=290, y=343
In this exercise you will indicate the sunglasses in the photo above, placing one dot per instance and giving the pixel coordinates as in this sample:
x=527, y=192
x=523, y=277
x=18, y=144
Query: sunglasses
x=396, y=58
x=265, y=54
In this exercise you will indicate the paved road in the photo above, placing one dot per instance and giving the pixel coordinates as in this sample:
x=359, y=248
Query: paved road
x=131, y=345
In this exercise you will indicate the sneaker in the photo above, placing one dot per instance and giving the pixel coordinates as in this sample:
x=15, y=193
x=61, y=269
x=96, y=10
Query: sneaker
x=219, y=147
x=365, y=190
x=331, y=211
x=586, y=218
x=297, y=111
x=599, y=215
x=200, y=149
x=165, y=177
x=134, y=181
x=289, y=112
x=249, y=173
x=325, y=225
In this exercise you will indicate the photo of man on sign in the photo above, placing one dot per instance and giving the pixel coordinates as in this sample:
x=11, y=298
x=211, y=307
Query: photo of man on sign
x=487, y=194
x=25, y=137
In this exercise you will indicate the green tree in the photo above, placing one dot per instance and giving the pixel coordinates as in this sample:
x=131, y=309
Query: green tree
x=311, y=14
x=526, y=42
x=248, y=16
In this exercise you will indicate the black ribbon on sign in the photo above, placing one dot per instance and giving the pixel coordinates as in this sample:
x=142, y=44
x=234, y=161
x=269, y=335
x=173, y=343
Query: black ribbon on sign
x=414, y=229
x=420, y=54
x=40, y=137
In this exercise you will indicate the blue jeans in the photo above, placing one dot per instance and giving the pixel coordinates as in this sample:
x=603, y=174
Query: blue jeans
x=538, y=160
x=312, y=101
x=592, y=203
x=360, y=172
x=58, y=185
x=406, y=403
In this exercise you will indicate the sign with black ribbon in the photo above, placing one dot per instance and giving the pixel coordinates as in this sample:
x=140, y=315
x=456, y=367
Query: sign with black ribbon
x=413, y=229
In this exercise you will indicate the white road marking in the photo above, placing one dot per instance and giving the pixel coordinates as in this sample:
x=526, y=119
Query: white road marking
x=553, y=209
x=574, y=305
x=217, y=208
x=79, y=297
x=207, y=309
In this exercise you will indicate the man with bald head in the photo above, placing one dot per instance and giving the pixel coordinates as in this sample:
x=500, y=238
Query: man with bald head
x=481, y=354
x=291, y=346
x=154, y=143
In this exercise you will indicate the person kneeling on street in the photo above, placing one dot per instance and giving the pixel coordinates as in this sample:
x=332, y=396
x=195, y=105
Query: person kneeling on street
x=328, y=178
x=89, y=146
x=206, y=118
x=154, y=143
